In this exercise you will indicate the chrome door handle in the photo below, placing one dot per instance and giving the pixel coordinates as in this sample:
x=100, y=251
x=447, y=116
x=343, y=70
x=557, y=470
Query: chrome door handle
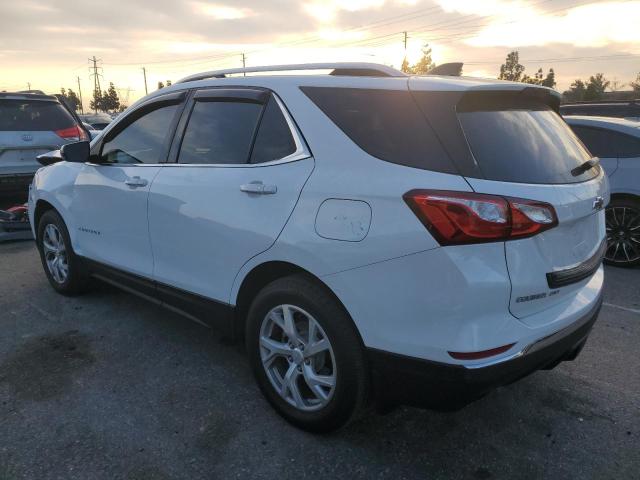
x=136, y=182
x=258, y=188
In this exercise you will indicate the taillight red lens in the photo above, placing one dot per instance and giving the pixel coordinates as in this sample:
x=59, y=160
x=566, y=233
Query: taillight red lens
x=72, y=133
x=456, y=218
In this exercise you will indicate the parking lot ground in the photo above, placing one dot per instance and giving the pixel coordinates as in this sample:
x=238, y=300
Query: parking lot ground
x=107, y=386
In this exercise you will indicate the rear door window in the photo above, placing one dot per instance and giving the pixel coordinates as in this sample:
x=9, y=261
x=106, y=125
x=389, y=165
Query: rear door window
x=33, y=115
x=386, y=124
x=522, y=142
x=220, y=132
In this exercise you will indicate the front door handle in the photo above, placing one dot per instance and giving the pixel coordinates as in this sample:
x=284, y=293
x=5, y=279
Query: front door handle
x=136, y=182
x=258, y=188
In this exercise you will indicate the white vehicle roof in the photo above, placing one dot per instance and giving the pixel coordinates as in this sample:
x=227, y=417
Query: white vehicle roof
x=346, y=74
x=611, y=123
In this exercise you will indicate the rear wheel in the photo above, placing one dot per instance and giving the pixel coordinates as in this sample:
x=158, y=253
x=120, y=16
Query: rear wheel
x=623, y=232
x=306, y=354
x=63, y=268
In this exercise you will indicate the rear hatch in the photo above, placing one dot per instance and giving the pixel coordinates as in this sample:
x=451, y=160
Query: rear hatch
x=513, y=143
x=29, y=127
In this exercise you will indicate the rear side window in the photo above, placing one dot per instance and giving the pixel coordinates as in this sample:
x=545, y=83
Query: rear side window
x=143, y=140
x=626, y=145
x=522, y=142
x=386, y=124
x=598, y=141
x=33, y=115
x=220, y=132
x=273, y=140
x=608, y=143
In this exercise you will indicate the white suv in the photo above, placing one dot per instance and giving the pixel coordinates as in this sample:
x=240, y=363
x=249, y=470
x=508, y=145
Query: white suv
x=371, y=236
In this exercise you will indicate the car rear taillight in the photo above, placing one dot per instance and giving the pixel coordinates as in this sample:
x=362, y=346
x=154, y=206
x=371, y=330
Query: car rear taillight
x=72, y=133
x=456, y=218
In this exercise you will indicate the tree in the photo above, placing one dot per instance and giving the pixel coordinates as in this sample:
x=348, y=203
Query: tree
x=511, y=69
x=71, y=99
x=406, y=68
x=110, y=99
x=424, y=64
x=97, y=101
x=576, y=91
x=160, y=85
x=636, y=85
x=168, y=83
x=550, y=79
x=537, y=79
x=596, y=87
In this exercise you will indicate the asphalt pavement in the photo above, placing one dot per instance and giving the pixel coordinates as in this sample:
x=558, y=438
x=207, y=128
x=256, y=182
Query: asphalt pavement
x=107, y=386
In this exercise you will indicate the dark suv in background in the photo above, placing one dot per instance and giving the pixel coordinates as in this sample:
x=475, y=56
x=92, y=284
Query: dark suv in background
x=31, y=124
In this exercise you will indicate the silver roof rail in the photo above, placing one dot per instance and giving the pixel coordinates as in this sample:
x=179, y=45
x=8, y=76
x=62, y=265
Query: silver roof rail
x=340, y=68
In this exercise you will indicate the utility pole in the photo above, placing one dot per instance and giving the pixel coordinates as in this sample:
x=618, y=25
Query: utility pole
x=144, y=73
x=29, y=86
x=405, y=64
x=244, y=65
x=80, y=94
x=96, y=81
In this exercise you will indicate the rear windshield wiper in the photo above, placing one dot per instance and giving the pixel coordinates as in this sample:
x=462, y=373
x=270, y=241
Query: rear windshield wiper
x=580, y=169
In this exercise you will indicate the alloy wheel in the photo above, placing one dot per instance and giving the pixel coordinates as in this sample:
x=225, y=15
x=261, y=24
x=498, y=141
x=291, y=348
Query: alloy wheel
x=623, y=234
x=297, y=357
x=55, y=253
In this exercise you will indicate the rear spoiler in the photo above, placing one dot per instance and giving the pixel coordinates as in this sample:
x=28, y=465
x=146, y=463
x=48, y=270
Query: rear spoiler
x=482, y=99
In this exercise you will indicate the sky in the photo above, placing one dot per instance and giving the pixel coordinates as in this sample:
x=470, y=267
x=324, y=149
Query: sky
x=47, y=44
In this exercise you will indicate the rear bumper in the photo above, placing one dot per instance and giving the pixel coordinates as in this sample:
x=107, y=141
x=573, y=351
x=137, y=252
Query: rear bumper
x=399, y=379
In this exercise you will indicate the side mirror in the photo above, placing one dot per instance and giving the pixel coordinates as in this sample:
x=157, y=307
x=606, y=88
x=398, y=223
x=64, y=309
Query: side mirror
x=77, y=152
x=49, y=158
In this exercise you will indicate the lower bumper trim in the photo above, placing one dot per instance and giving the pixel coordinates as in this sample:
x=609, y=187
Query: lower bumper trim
x=399, y=379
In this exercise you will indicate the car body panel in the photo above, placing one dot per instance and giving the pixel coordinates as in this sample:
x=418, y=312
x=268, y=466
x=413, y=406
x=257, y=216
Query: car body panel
x=576, y=238
x=111, y=217
x=203, y=228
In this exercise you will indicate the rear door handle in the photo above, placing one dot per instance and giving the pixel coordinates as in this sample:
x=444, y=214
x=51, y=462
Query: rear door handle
x=258, y=188
x=136, y=182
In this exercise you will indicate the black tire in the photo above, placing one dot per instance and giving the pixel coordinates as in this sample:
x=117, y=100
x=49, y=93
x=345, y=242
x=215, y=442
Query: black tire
x=77, y=279
x=623, y=232
x=351, y=374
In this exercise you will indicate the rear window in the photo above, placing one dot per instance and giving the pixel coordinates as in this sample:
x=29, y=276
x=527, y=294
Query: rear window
x=522, y=141
x=386, y=124
x=30, y=115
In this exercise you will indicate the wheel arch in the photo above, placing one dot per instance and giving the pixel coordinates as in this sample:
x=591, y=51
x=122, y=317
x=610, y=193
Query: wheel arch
x=42, y=206
x=624, y=196
x=263, y=274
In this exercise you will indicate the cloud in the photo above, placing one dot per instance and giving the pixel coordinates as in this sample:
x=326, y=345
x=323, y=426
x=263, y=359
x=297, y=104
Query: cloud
x=516, y=24
x=221, y=12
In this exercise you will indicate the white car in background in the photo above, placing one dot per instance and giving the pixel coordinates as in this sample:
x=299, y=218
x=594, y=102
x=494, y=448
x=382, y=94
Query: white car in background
x=370, y=235
x=616, y=142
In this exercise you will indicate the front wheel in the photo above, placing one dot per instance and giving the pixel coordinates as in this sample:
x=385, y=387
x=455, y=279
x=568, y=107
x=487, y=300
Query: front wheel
x=63, y=268
x=623, y=232
x=306, y=354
